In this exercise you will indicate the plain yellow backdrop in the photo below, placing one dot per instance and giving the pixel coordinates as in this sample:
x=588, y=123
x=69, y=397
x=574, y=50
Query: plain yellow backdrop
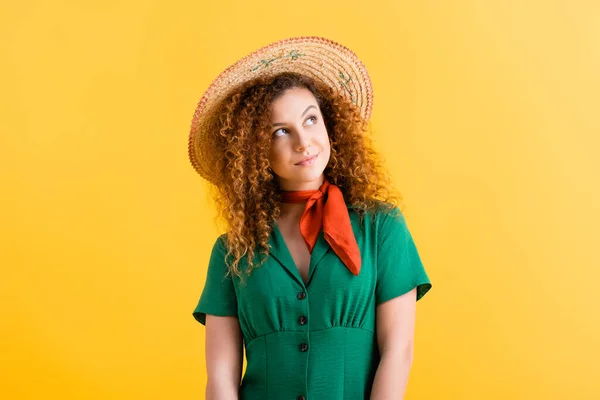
x=486, y=114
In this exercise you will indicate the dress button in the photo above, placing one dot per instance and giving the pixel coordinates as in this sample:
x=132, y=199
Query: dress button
x=302, y=320
x=303, y=347
x=301, y=398
x=301, y=296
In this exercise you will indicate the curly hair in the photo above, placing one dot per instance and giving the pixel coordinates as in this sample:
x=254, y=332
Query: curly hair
x=246, y=192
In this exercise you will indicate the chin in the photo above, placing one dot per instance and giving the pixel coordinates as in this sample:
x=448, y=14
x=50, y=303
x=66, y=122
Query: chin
x=305, y=177
x=311, y=175
x=309, y=179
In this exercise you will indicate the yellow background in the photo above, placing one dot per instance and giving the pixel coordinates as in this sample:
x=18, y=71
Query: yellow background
x=486, y=113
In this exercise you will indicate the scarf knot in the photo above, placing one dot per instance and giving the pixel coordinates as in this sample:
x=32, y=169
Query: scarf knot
x=327, y=210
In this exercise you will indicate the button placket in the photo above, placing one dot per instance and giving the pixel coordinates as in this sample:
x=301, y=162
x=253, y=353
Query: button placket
x=303, y=320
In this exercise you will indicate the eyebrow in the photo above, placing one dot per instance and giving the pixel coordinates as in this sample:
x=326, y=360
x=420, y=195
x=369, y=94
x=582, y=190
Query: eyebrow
x=305, y=111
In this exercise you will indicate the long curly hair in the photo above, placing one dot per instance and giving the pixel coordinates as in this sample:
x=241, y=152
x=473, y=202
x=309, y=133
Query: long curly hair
x=245, y=189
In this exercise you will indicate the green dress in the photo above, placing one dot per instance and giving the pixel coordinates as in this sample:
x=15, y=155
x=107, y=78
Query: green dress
x=315, y=341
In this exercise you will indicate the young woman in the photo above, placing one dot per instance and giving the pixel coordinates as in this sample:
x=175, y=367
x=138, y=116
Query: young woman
x=317, y=276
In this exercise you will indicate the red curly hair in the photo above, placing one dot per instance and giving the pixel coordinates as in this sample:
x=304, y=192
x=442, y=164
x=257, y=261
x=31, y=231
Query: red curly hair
x=245, y=191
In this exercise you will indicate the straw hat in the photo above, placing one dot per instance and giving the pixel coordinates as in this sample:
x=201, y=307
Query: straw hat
x=317, y=57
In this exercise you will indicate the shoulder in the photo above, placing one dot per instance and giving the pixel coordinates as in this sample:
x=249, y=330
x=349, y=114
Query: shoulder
x=219, y=250
x=220, y=243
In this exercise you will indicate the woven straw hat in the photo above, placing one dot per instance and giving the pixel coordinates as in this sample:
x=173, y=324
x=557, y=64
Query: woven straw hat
x=317, y=57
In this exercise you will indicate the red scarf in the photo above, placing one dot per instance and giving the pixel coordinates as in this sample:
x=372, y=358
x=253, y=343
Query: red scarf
x=326, y=209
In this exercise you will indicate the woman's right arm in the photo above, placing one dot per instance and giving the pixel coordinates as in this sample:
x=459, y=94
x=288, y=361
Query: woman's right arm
x=224, y=354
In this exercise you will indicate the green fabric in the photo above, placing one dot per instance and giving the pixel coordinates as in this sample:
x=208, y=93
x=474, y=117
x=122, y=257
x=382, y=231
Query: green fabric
x=341, y=358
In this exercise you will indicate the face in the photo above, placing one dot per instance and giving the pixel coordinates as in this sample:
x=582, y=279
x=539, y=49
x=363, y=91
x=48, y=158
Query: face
x=299, y=134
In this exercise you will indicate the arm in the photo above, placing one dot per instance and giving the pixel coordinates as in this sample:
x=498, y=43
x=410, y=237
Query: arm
x=223, y=357
x=395, y=321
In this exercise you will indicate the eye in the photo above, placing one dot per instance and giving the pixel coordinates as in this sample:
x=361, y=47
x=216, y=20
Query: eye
x=275, y=134
x=313, y=118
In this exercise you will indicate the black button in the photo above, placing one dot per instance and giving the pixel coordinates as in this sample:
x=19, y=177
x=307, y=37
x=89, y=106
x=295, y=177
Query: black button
x=301, y=296
x=300, y=398
x=302, y=320
x=303, y=347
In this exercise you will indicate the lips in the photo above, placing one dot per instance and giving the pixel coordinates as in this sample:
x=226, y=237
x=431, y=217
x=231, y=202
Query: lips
x=309, y=160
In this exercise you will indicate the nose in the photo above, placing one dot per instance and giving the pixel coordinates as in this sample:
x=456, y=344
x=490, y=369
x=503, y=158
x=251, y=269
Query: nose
x=302, y=141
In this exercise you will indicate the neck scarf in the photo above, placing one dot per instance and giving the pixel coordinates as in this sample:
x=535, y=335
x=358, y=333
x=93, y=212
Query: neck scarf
x=326, y=209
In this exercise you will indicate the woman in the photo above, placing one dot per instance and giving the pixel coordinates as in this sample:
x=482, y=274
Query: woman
x=317, y=275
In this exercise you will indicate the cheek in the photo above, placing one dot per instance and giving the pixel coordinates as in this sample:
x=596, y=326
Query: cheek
x=326, y=149
x=325, y=144
x=275, y=155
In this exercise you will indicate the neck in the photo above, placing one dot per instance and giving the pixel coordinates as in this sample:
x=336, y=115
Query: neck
x=291, y=211
x=290, y=186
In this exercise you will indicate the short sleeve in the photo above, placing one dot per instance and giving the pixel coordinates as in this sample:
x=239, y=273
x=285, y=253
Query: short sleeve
x=399, y=267
x=218, y=296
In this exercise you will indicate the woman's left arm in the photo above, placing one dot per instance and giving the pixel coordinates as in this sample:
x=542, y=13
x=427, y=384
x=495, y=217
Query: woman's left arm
x=395, y=321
